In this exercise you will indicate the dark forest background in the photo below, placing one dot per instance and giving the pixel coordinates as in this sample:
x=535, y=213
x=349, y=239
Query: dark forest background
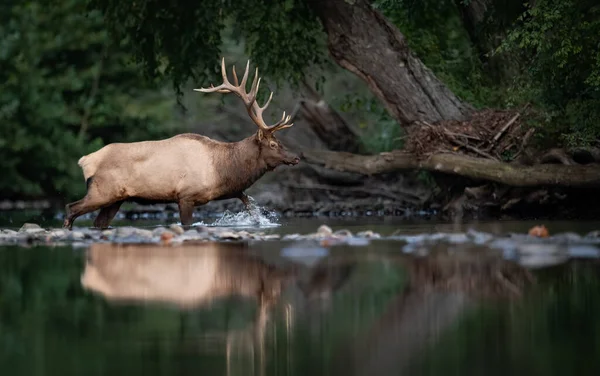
x=78, y=74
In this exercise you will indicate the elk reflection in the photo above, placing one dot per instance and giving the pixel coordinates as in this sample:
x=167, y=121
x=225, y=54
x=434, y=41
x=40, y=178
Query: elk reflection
x=188, y=276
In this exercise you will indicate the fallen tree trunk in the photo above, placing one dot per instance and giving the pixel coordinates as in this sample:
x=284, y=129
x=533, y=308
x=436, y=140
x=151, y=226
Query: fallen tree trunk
x=460, y=165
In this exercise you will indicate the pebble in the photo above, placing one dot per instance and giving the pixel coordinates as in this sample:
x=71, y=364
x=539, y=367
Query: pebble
x=59, y=233
x=229, y=235
x=31, y=228
x=159, y=231
x=593, y=234
x=176, y=229
x=368, y=234
x=76, y=235
x=343, y=233
x=127, y=231
x=529, y=251
x=324, y=231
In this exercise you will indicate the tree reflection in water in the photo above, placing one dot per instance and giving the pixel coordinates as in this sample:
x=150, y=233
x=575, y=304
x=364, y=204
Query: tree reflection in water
x=234, y=308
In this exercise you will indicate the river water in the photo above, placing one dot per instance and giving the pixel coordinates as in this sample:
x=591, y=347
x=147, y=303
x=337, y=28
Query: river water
x=299, y=308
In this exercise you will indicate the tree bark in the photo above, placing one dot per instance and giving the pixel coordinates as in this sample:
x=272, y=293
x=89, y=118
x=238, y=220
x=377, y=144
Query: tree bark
x=486, y=21
x=461, y=165
x=362, y=41
x=331, y=128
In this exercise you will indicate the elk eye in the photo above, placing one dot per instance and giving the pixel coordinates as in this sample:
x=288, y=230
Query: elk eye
x=273, y=145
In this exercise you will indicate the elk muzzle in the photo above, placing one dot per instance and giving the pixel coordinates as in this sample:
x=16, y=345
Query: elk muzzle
x=290, y=158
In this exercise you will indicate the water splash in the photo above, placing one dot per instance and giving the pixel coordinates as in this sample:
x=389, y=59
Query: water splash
x=256, y=216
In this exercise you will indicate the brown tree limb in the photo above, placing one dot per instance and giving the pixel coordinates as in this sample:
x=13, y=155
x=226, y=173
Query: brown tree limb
x=460, y=165
x=505, y=128
x=331, y=128
x=363, y=41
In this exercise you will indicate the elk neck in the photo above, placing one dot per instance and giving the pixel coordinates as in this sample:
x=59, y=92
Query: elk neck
x=241, y=165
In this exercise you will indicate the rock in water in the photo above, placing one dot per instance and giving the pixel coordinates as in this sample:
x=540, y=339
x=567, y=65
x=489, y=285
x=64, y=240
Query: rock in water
x=324, y=230
x=31, y=228
x=176, y=229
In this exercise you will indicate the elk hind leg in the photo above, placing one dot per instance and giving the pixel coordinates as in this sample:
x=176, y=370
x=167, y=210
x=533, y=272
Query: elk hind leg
x=107, y=214
x=92, y=201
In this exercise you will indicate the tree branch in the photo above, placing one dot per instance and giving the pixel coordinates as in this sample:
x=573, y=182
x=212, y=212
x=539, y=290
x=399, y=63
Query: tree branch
x=460, y=165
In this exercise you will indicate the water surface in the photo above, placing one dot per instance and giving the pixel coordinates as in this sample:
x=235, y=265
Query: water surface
x=252, y=309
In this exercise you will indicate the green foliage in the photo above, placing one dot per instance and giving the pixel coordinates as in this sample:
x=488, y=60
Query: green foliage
x=435, y=33
x=183, y=39
x=380, y=132
x=65, y=92
x=558, y=41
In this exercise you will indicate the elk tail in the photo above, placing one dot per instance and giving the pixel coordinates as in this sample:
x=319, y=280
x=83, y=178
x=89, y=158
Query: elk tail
x=88, y=164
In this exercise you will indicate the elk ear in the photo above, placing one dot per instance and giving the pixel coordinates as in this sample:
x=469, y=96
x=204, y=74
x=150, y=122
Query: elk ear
x=260, y=135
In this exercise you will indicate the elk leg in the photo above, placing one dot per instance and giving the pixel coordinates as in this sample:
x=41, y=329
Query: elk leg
x=93, y=200
x=79, y=208
x=246, y=201
x=106, y=215
x=186, y=209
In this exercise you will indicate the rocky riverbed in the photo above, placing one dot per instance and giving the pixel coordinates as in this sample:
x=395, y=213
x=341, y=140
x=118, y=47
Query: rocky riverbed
x=537, y=249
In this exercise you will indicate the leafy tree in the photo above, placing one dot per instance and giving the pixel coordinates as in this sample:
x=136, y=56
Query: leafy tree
x=558, y=42
x=66, y=90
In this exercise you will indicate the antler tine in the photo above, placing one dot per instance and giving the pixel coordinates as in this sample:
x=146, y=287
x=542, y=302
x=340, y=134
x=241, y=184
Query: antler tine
x=255, y=111
x=254, y=88
x=282, y=124
x=224, y=73
x=235, y=79
x=266, y=103
x=245, y=78
x=225, y=88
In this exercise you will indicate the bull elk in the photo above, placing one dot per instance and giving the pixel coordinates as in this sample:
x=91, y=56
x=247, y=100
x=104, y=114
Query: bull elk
x=188, y=169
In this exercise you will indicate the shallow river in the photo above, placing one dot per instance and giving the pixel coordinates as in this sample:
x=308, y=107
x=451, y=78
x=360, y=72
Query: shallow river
x=300, y=308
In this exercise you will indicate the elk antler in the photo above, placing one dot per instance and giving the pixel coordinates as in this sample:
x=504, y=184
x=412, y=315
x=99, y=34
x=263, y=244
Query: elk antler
x=254, y=110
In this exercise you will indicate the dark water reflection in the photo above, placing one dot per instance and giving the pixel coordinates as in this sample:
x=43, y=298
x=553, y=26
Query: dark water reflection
x=235, y=309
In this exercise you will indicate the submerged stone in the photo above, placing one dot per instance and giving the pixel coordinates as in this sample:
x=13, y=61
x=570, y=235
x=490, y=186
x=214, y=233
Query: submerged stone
x=343, y=233
x=324, y=230
x=593, y=234
x=229, y=235
x=368, y=234
x=31, y=228
x=76, y=235
x=176, y=229
x=127, y=232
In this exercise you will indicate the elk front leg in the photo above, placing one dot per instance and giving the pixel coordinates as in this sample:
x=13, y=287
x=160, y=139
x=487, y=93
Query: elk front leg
x=186, y=209
x=251, y=209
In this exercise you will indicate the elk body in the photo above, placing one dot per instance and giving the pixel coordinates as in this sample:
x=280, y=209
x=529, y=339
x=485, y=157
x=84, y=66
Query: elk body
x=187, y=169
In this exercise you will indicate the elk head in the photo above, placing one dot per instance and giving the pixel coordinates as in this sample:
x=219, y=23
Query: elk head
x=271, y=150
